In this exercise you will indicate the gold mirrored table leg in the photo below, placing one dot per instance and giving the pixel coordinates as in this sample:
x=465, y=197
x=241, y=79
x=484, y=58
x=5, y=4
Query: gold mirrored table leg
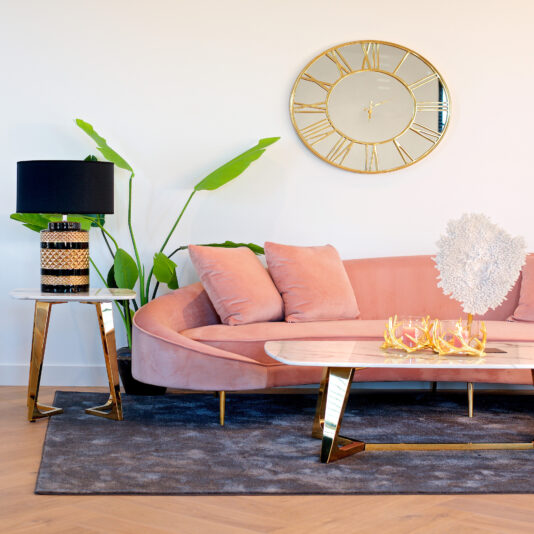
x=113, y=407
x=318, y=421
x=40, y=330
x=334, y=446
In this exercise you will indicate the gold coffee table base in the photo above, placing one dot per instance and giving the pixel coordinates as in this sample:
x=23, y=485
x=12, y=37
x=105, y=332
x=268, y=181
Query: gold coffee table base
x=331, y=403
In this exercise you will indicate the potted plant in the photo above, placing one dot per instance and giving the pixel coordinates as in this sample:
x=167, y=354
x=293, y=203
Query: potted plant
x=128, y=271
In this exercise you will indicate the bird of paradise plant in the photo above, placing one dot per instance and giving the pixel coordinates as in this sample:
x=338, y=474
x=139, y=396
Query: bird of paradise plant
x=127, y=271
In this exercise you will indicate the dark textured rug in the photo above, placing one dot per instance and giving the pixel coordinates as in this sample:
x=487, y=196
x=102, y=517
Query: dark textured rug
x=173, y=445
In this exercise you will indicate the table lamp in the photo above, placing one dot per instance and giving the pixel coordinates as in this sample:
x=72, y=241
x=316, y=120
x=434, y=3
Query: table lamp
x=64, y=187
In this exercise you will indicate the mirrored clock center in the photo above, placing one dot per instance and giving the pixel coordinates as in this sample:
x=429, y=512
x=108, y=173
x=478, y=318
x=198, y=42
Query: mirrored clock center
x=370, y=107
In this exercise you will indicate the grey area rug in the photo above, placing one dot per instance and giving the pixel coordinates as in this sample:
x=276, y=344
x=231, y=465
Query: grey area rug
x=173, y=445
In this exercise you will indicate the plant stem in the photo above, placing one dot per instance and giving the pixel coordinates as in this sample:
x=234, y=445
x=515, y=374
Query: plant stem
x=149, y=278
x=140, y=268
x=107, y=243
x=104, y=231
x=183, y=247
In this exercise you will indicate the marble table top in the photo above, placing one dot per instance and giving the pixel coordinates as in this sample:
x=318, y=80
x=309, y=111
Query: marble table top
x=514, y=355
x=93, y=295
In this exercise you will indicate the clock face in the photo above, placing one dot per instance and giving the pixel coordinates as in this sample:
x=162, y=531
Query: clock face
x=370, y=106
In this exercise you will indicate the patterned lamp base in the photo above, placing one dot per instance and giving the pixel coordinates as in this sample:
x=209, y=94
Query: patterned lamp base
x=64, y=258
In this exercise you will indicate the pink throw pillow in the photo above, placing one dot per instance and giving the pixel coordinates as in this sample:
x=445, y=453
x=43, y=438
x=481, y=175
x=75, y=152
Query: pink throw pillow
x=237, y=284
x=525, y=308
x=313, y=282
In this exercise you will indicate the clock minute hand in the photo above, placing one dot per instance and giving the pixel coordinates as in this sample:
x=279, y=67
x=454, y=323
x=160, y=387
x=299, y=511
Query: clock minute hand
x=380, y=103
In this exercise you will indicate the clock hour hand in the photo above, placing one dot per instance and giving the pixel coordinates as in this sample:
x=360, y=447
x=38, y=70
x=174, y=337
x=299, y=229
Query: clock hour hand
x=373, y=106
x=369, y=109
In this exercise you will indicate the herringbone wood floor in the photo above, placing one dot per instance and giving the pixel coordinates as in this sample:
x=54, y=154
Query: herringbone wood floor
x=23, y=512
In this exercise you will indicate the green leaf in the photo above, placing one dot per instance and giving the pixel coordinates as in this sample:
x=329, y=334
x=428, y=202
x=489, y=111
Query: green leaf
x=230, y=244
x=125, y=269
x=165, y=270
x=173, y=282
x=234, y=167
x=90, y=157
x=111, y=277
x=33, y=221
x=102, y=145
x=82, y=219
x=39, y=221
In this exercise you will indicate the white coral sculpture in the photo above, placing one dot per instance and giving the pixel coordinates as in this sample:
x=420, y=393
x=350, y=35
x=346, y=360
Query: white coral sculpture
x=478, y=262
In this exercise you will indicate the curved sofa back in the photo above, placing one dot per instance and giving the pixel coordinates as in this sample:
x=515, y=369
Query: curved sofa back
x=408, y=285
x=402, y=285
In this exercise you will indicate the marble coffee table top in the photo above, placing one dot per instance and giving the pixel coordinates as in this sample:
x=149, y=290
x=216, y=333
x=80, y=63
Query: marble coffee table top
x=93, y=295
x=511, y=355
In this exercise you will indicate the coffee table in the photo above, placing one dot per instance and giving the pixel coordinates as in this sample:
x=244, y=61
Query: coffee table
x=342, y=358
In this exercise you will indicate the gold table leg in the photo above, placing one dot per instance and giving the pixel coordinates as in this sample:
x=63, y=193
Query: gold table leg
x=318, y=421
x=40, y=331
x=222, y=406
x=470, y=398
x=337, y=389
x=113, y=407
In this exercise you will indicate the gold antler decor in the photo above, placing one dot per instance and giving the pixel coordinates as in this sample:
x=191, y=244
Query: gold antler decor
x=461, y=338
x=409, y=334
x=443, y=337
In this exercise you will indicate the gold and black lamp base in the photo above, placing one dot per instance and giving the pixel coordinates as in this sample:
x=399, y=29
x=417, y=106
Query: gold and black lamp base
x=64, y=258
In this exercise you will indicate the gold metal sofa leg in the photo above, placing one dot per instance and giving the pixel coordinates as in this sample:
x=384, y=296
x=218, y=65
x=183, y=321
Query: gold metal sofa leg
x=222, y=402
x=470, y=398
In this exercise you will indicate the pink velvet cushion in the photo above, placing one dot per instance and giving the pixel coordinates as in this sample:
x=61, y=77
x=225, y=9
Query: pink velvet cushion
x=237, y=284
x=313, y=283
x=525, y=308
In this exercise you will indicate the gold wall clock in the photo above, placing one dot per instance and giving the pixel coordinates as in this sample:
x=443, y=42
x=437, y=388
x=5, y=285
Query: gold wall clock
x=370, y=106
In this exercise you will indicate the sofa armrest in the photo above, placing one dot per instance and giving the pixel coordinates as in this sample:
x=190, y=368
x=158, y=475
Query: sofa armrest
x=163, y=356
x=184, y=308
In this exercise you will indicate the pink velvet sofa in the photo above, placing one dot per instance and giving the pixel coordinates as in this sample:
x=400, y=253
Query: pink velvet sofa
x=179, y=342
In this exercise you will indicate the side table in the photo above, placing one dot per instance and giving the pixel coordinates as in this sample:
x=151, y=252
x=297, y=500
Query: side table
x=103, y=301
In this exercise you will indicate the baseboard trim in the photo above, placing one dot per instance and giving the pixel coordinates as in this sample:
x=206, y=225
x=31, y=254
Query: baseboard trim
x=54, y=374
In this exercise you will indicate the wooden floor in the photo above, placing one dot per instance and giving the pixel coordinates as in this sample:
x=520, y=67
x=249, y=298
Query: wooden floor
x=22, y=511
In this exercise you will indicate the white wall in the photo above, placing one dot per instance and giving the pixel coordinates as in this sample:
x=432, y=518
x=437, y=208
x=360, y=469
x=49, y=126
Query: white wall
x=178, y=87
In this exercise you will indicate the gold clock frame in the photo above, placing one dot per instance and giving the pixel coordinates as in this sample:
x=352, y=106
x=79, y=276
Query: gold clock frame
x=370, y=147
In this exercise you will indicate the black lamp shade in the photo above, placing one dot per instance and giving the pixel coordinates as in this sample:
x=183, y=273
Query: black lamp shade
x=65, y=186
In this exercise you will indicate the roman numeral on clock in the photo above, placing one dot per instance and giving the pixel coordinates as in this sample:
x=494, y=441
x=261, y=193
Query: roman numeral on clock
x=317, y=107
x=432, y=106
x=403, y=152
x=340, y=62
x=317, y=131
x=371, y=56
x=323, y=85
x=371, y=158
x=339, y=151
x=424, y=81
x=425, y=132
x=399, y=64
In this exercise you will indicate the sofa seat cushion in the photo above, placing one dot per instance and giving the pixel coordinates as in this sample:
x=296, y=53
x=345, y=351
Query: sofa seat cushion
x=249, y=339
